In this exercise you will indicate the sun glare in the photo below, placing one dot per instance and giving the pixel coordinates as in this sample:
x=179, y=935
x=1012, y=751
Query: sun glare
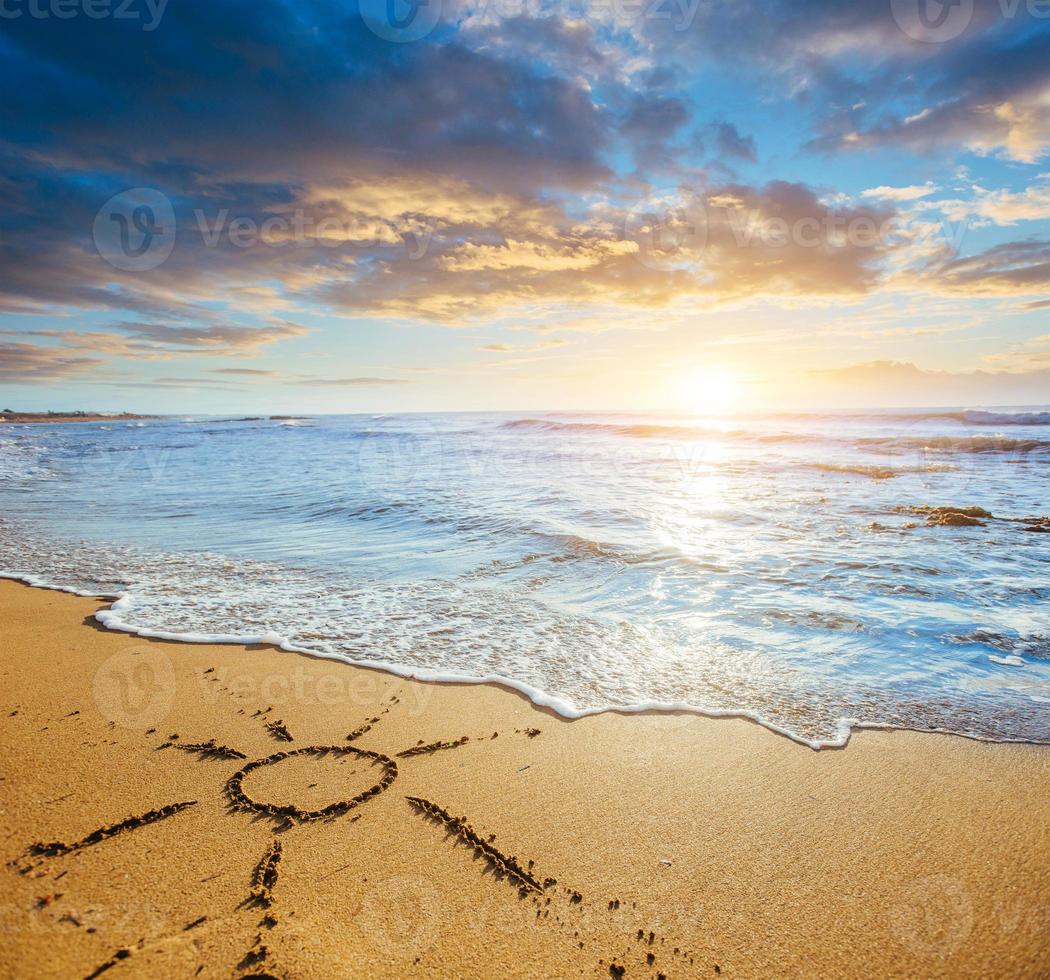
x=711, y=391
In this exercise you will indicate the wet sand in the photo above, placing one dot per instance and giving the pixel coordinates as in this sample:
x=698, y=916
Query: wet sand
x=231, y=811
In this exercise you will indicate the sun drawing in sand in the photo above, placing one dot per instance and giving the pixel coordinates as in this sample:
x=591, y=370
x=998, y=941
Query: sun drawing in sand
x=257, y=962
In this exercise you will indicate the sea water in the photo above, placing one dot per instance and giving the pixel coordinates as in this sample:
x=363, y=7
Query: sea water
x=773, y=567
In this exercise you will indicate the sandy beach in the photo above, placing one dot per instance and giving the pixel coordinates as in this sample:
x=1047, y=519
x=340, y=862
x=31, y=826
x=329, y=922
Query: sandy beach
x=671, y=845
x=525, y=491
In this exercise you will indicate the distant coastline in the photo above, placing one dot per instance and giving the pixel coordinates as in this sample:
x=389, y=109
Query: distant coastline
x=7, y=415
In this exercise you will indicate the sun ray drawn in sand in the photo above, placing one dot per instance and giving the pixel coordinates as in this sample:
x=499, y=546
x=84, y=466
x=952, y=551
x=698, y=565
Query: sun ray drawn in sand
x=258, y=961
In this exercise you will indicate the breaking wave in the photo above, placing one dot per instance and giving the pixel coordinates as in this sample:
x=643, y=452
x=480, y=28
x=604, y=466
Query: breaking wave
x=732, y=575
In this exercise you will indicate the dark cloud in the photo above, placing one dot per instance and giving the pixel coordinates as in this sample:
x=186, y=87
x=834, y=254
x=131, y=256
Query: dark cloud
x=655, y=116
x=264, y=110
x=1010, y=268
x=474, y=172
x=870, y=83
x=272, y=91
x=732, y=144
x=39, y=356
x=650, y=120
x=988, y=96
x=219, y=340
x=33, y=364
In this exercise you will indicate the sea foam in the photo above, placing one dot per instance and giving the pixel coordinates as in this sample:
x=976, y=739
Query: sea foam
x=764, y=575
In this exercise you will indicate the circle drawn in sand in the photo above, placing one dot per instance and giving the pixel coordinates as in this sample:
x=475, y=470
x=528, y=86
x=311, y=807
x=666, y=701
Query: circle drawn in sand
x=415, y=900
x=135, y=688
x=289, y=811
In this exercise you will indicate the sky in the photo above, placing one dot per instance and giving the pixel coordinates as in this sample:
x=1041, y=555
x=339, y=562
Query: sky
x=666, y=205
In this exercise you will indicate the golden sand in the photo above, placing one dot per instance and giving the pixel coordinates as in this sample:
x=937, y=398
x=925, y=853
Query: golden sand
x=660, y=844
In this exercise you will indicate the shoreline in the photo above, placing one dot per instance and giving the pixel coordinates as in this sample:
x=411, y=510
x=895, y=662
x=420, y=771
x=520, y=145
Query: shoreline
x=40, y=418
x=906, y=855
x=109, y=619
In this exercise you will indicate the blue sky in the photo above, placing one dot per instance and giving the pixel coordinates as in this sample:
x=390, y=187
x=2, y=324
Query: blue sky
x=309, y=207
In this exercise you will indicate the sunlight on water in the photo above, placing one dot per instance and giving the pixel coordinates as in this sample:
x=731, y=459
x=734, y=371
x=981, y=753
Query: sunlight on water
x=777, y=567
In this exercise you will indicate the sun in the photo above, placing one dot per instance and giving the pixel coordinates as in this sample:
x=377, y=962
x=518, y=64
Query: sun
x=710, y=391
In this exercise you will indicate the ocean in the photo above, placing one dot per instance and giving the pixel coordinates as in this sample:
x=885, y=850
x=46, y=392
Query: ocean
x=779, y=568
